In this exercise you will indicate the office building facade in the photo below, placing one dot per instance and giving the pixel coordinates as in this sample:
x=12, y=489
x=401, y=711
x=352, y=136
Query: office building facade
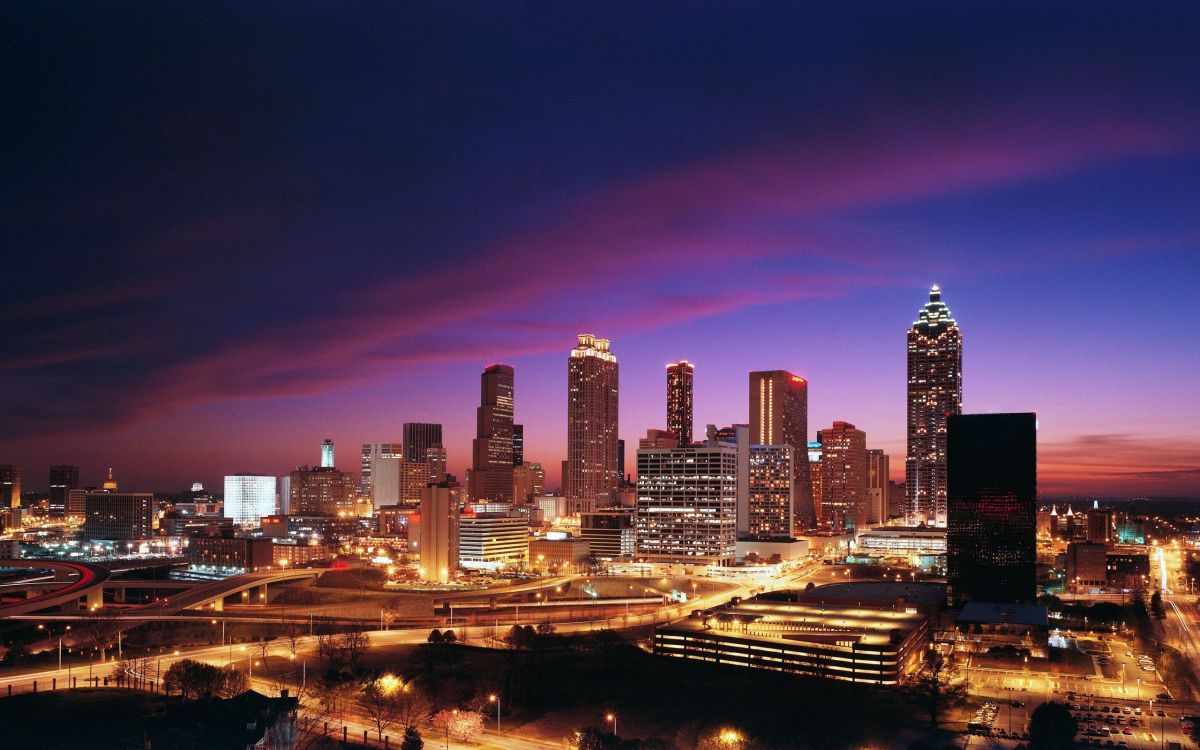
x=593, y=466
x=327, y=454
x=492, y=449
x=249, y=498
x=437, y=537
x=877, y=486
x=687, y=504
x=10, y=486
x=116, y=516
x=372, y=452
x=843, y=477
x=934, y=394
x=772, y=489
x=779, y=416
x=529, y=481
x=991, y=528
x=492, y=540
x=63, y=479
x=321, y=491
x=679, y=400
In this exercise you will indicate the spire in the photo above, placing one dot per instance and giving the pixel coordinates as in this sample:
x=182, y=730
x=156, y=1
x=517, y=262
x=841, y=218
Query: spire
x=110, y=484
x=1054, y=510
x=934, y=315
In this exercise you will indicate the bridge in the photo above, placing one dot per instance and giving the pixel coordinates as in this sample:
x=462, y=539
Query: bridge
x=251, y=586
x=81, y=584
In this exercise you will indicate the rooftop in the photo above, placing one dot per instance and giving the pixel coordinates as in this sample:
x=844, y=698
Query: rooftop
x=918, y=593
x=992, y=612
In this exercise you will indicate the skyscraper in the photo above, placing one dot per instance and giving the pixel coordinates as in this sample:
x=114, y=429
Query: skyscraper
x=529, y=481
x=371, y=453
x=877, y=485
x=322, y=491
x=779, y=416
x=844, y=476
x=771, y=506
x=518, y=444
x=10, y=486
x=249, y=498
x=934, y=394
x=327, y=454
x=419, y=437
x=592, y=384
x=63, y=479
x=679, y=400
x=492, y=449
x=991, y=530
x=687, y=504
x=438, y=535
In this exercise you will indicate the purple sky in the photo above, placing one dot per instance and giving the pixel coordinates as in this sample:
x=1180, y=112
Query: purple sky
x=238, y=232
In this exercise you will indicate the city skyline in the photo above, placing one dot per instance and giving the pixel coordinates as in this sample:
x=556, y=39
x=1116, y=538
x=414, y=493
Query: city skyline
x=212, y=284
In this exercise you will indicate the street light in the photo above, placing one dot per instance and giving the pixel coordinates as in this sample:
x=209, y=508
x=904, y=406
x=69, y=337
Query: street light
x=612, y=718
x=493, y=698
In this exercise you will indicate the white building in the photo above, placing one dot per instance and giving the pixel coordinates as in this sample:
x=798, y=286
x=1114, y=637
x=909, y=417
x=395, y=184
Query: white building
x=687, y=504
x=489, y=540
x=249, y=498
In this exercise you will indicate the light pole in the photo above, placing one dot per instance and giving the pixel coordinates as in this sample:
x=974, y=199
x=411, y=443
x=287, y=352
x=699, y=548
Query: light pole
x=496, y=699
x=612, y=718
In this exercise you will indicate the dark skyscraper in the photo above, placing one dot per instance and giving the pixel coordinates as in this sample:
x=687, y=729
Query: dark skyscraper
x=63, y=479
x=934, y=394
x=419, y=437
x=518, y=444
x=679, y=400
x=492, y=450
x=10, y=486
x=992, y=507
x=592, y=389
x=779, y=416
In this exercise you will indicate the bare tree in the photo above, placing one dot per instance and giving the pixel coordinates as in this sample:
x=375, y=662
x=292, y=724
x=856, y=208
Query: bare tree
x=353, y=643
x=936, y=685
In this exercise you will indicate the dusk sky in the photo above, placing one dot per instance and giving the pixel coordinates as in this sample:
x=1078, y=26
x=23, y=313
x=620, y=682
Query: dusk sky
x=233, y=230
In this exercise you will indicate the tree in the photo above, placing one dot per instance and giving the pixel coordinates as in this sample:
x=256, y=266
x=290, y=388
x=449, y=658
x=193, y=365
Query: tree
x=378, y=700
x=412, y=740
x=353, y=642
x=592, y=738
x=435, y=636
x=1051, y=727
x=194, y=679
x=936, y=685
x=234, y=683
x=449, y=637
x=462, y=725
x=1156, y=606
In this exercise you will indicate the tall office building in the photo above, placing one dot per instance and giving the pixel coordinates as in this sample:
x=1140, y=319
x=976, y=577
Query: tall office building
x=529, y=481
x=518, y=444
x=1100, y=526
x=593, y=466
x=112, y=515
x=771, y=504
x=814, y=475
x=738, y=436
x=249, y=498
x=438, y=534
x=419, y=437
x=991, y=485
x=679, y=400
x=327, y=454
x=687, y=504
x=621, y=460
x=63, y=479
x=492, y=449
x=435, y=456
x=844, y=476
x=372, y=452
x=934, y=394
x=877, y=485
x=398, y=482
x=10, y=486
x=322, y=491
x=656, y=438
x=779, y=416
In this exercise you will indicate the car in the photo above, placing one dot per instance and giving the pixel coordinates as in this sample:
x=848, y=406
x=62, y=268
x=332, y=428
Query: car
x=1126, y=710
x=1127, y=730
x=1129, y=653
x=1163, y=697
x=1147, y=668
x=1138, y=710
x=1104, y=709
x=1160, y=712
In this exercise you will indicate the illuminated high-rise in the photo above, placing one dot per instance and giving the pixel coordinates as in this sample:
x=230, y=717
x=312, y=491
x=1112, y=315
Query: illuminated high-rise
x=679, y=400
x=419, y=437
x=63, y=479
x=771, y=505
x=518, y=444
x=687, y=504
x=10, y=486
x=327, y=454
x=877, y=485
x=843, y=476
x=249, y=498
x=934, y=395
x=779, y=416
x=371, y=454
x=593, y=467
x=492, y=449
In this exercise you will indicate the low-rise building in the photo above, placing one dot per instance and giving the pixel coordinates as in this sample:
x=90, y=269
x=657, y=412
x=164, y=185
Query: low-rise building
x=562, y=552
x=988, y=626
x=609, y=533
x=487, y=540
x=1087, y=566
x=850, y=643
x=231, y=555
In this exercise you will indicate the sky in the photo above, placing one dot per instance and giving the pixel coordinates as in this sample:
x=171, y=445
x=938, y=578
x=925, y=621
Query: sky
x=232, y=230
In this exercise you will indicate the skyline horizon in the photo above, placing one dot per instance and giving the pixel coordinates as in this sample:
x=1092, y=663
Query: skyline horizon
x=553, y=478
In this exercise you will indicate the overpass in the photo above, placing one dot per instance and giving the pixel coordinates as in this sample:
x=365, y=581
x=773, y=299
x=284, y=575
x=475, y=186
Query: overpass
x=79, y=581
x=212, y=595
